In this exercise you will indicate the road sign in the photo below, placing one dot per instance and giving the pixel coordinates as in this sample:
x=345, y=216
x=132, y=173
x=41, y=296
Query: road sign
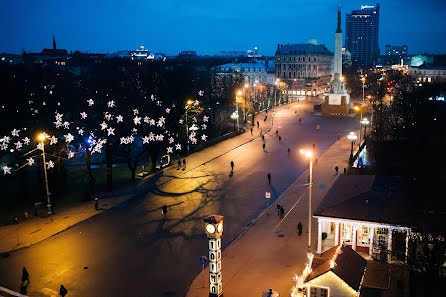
x=267, y=195
x=203, y=260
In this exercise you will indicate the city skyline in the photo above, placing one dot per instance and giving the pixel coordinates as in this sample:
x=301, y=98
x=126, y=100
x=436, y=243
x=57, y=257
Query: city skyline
x=111, y=26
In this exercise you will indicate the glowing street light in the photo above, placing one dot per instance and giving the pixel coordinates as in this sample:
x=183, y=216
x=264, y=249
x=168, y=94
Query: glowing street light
x=352, y=137
x=365, y=122
x=188, y=105
x=309, y=155
x=41, y=137
x=238, y=95
x=234, y=116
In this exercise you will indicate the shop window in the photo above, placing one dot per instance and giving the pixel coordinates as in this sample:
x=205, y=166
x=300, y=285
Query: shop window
x=347, y=233
x=364, y=235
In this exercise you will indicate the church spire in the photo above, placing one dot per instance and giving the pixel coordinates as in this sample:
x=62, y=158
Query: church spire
x=54, y=42
x=338, y=30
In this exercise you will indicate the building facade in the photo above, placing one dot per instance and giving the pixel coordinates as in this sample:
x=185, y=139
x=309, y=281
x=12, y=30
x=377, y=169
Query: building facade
x=361, y=39
x=394, y=54
x=256, y=72
x=305, y=68
x=428, y=73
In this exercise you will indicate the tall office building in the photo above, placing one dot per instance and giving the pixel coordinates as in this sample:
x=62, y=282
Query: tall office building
x=361, y=38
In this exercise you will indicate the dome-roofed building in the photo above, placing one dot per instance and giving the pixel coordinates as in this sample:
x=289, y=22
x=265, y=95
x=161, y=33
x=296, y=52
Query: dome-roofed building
x=313, y=41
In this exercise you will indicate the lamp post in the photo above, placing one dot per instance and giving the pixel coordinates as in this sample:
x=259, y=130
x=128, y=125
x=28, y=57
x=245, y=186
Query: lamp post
x=362, y=106
x=188, y=105
x=352, y=137
x=276, y=84
x=42, y=138
x=234, y=116
x=310, y=156
x=246, y=86
x=365, y=122
x=237, y=96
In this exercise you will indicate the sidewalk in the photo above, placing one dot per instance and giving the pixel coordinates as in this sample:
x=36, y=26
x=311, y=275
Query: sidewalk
x=34, y=230
x=270, y=252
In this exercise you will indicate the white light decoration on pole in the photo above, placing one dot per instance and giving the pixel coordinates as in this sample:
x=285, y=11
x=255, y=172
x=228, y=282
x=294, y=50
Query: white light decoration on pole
x=310, y=157
x=41, y=138
x=213, y=225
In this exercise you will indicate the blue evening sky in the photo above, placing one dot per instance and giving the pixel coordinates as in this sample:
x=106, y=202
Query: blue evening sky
x=208, y=26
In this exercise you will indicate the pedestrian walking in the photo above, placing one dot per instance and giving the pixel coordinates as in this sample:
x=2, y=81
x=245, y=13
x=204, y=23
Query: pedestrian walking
x=300, y=121
x=345, y=171
x=317, y=127
x=25, y=275
x=269, y=177
x=277, y=133
x=265, y=118
x=251, y=130
x=299, y=228
x=289, y=150
x=336, y=169
x=278, y=209
x=179, y=164
x=232, y=165
x=263, y=146
x=184, y=164
x=263, y=137
x=164, y=210
x=257, y=124
x=63, y=291
x=96, y=203
x=280, y=138
x=282, y=212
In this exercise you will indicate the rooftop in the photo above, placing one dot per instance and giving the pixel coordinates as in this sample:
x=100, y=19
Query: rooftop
x=303, y=48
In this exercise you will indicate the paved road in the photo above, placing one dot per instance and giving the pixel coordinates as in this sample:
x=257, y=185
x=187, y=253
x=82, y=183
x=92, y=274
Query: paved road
x=132, y=251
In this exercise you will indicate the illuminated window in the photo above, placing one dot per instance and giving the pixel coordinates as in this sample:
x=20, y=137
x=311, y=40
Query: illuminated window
x=318, y=292
x=364, y=235
x=347, y=233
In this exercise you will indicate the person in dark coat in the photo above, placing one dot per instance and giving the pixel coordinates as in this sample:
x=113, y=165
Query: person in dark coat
x=25, y=275
x=251, y=130
x=164, y=210
x=269, y=177
x=336, y=169
x=263, y=146
x=278, y=209
x=179, y=164
x=257, y=124
x=232, y=165
x=184, y=164
x=299, y=228
x=63, y=291
x=282, y=212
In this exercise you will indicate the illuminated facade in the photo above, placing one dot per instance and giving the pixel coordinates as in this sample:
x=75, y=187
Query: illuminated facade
x=365, y=213
x=428, y=73
x=256, y=72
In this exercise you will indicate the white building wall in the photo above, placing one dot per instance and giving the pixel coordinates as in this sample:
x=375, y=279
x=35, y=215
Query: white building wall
x=337, y=287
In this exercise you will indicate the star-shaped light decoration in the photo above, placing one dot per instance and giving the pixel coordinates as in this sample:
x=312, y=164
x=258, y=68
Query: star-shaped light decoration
x=167, y=110
x=30, y=161
x=119, y=118
x=39, y=146
x=203, y=137
x=151, y=136
x=170, y=150
x=145, y=140
x=194, y=119
x=178, y=146
x=4, y=146
x=18, y=145
x=196, y=102
x=152, y=122
x=103, y=125
x=26, y=140
x=15, y=132
x=53, y=140
x=152, y=97
x=58, y=124
x=194, y=141
x=111, y=104
x=50, y=164
x=84, y=115
x=108, y=116
x=90, y=102
x=205, y=118
x=111, y=131
x=123, y=140
x=171, y=140
x=59, y=117
x=66, y=125
x=6, y=170
x=181, y=121
x=69, y=138
x=137, y=120
x=80, y=132
x=131, y=139
x=135, y=112
x=134, y=130
x=146, y=119
x=204, y=126
x=200, y=93
x=70, y=154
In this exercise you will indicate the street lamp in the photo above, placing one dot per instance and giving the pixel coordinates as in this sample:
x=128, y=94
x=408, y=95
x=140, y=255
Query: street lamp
x=234, y=116
x=41, y=137
x=310, y=156
x=188, y=105
x=238, y=95
x=365, y=122
x=276, y=83
x=352, y=137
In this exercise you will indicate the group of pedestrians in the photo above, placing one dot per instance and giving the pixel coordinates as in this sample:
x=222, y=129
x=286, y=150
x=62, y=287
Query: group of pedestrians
x=179, y=164
x=25, y=279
